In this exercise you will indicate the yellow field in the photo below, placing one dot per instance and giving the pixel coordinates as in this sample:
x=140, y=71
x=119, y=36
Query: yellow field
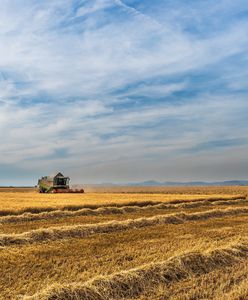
x=19, y=200
x=170, y=243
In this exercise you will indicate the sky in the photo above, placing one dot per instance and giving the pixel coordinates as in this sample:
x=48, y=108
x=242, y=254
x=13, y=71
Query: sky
x=123, y=91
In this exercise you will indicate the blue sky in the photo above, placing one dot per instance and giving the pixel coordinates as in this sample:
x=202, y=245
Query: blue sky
x=120, y=91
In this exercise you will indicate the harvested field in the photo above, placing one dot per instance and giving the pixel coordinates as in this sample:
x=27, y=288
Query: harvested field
x=156, y=245
x=149, y=276
x=119, y=209
x=81, y=231
x=20, y=202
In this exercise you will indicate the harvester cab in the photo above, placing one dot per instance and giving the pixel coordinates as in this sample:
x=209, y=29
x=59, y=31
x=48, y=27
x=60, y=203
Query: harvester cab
x=56, y=184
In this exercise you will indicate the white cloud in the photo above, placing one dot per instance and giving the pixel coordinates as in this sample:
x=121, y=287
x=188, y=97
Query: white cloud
x=65, y=70
x=93, y=6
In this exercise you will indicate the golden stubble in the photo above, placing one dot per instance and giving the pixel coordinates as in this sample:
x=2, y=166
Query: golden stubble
x=202, y=255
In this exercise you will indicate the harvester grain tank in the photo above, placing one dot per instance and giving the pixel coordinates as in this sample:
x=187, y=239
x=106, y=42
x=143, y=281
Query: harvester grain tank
x=56, y=184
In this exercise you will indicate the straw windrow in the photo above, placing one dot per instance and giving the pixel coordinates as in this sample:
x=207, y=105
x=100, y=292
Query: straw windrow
x=132, y=283
x=81, y=231
x=71, y=207
x=112, y=210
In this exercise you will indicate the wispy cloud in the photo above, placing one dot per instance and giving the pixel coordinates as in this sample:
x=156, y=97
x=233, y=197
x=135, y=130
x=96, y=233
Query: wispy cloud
x=85, y=85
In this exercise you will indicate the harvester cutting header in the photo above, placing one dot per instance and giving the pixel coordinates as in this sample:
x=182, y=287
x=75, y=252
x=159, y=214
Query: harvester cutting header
x=56, y=184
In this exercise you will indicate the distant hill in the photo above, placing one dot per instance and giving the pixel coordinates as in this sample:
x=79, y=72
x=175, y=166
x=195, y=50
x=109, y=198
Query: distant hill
x=174, y=183
x=191, y=183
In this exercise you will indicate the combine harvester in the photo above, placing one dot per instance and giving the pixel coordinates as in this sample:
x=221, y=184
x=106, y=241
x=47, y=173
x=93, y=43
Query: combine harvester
x=56, y=184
